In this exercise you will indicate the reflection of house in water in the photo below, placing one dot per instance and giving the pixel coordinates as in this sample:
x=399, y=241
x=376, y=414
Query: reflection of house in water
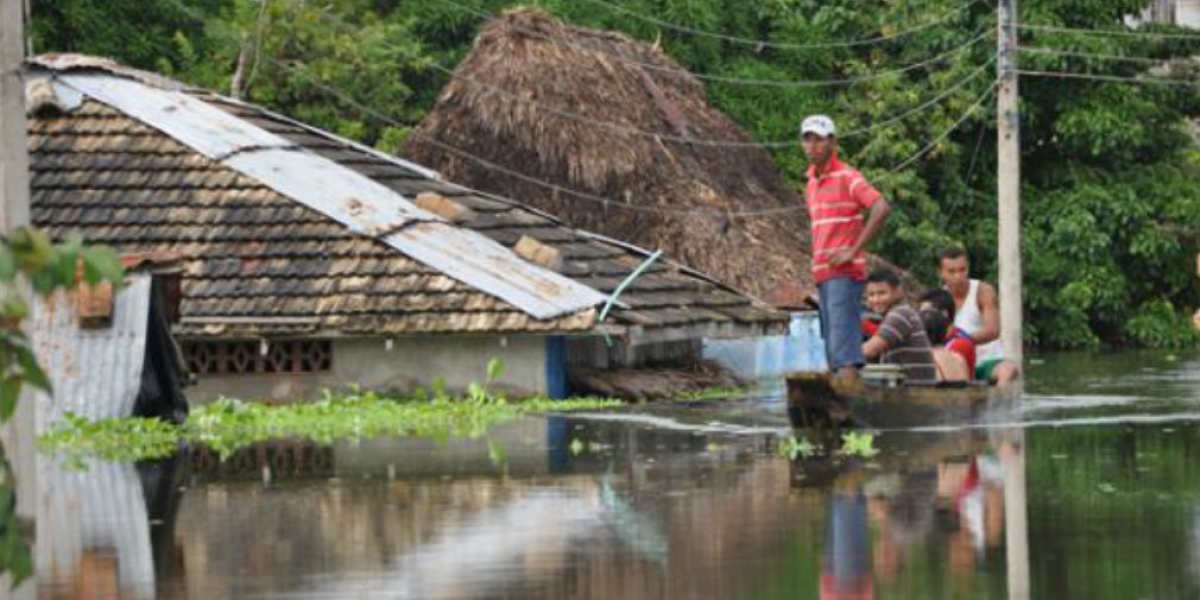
x=94, y=529
x=602, y=533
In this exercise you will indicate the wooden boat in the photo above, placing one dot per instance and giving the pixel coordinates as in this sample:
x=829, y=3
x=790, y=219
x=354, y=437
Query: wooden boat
x=817, y=400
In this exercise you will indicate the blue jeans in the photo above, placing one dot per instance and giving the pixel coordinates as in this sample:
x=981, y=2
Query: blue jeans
x=841, y=321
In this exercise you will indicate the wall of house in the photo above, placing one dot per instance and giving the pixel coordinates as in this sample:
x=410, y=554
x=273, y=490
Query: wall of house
x=593, y=353
x=411, y=362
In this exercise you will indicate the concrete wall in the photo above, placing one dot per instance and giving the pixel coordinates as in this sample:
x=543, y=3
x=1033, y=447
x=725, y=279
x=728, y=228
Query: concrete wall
x=412, y=361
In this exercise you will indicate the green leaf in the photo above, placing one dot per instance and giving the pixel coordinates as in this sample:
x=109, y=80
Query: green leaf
x=497, y=453
x=495, y=369
x=8, y=264
x=10, y=392
x=15, y=308
x=476, y=392
x=33, y=372
x=102, y=264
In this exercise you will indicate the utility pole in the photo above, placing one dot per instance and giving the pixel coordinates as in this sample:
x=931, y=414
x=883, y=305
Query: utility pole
x=1009, y=185
x=20, y=432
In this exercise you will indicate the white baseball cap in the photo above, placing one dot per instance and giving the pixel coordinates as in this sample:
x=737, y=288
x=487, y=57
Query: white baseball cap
x=818, y=124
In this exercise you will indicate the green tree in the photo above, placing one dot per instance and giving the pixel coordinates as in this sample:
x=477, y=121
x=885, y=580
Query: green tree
x=1111, y=174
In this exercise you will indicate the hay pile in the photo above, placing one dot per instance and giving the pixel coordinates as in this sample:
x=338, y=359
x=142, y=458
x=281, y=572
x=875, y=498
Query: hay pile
x=503, y=105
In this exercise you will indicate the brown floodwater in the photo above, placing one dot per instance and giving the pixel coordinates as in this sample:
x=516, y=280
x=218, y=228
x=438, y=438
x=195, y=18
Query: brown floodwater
x=1090, y=490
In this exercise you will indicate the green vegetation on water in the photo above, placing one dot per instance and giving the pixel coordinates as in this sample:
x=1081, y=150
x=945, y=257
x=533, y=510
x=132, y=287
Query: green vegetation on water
x=228, y=425
x=853, y=444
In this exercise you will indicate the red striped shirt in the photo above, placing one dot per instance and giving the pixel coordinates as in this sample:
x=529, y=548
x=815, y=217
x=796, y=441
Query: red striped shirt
x=836, y=200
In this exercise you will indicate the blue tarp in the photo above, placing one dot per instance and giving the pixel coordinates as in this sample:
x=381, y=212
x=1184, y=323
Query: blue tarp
x=772, y=356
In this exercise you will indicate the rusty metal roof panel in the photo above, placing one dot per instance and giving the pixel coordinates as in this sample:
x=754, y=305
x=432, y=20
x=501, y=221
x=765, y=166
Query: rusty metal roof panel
x=96, y=372
x=487, y=262
x=210, y=131
x=358, y=202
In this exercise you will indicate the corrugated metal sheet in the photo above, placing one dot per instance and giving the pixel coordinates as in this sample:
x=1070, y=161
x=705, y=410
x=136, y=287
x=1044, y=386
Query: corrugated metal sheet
x=351, y=198
x=464, y=254
x=361, y=204
x=68, y=97
x=391, y=158
x=96, y=372
x=211, y=132
x=69, y=61
x=98, y=510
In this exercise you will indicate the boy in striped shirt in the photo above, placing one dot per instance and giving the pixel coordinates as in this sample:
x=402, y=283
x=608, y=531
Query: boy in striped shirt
x=836, y=196
x=901, y=339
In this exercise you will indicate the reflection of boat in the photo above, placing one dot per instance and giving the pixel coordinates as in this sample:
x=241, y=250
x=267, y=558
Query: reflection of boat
x=818, y=400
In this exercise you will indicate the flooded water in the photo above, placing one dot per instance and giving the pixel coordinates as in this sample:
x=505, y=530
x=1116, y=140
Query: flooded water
x=1091, y=490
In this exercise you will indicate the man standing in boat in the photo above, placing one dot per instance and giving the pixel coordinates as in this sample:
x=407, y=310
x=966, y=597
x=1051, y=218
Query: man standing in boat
x=837, y=196
x=977, y=311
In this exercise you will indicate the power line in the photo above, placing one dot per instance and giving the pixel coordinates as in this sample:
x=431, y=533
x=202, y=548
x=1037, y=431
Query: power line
x=1110, y=78
x=1071, y=53
x=981, y=34
x=966, y=115
x=690, y=140
x=1109, y=32
x=379, y=115
x=708, y=142
x=760, y=44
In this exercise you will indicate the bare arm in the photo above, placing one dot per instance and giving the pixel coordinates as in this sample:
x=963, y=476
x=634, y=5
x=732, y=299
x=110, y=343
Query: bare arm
x=989, y=307
x=873, y=347
x=879, y=212
x=875, y=219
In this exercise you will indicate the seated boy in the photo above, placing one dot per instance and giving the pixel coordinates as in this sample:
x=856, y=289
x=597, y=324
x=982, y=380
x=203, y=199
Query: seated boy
x=901, y=338
x=950, y=365
x=954, y=339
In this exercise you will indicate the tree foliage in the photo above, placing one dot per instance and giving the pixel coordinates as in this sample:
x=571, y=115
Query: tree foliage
x=1110, y=170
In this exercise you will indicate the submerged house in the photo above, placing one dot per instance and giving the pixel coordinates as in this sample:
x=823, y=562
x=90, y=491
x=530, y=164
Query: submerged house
x=110, y=351
x=617, y=119
x=310, y=261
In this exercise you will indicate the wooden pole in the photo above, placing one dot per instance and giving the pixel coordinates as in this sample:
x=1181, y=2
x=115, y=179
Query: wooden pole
x=20, y=432
x=1009, y=184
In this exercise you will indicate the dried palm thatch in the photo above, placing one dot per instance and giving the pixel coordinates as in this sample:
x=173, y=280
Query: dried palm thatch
x=506, y=105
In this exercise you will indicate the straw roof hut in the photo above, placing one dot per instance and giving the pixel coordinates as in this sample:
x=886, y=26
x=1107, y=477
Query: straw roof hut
x=508, y=104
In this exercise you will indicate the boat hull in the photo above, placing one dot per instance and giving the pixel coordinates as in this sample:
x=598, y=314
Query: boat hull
x=818, y=400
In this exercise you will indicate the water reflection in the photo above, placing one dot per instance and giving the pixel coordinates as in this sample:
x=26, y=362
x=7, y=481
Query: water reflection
x=637, y=513
x=586, y=509
x=94, y=528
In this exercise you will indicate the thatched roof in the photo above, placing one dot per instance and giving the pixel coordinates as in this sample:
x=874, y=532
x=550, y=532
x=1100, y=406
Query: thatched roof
x=506, y=104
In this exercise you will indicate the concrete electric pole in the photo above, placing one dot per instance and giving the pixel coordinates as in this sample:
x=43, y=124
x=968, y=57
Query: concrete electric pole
x=1009, y=192
x=20, y=432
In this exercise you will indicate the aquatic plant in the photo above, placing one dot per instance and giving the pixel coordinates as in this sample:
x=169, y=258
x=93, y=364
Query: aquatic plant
x=228, y=425
x=792, y=447
x=717, y=392
x=861, y=445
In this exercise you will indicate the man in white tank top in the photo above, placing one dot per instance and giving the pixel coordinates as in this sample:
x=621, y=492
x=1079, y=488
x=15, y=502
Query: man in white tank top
x=978, y=313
